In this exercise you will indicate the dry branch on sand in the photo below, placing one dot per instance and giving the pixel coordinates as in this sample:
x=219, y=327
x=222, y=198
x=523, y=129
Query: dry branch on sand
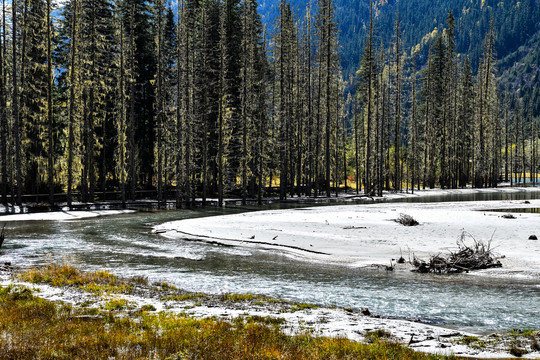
x=466, y=258
x=406, y=220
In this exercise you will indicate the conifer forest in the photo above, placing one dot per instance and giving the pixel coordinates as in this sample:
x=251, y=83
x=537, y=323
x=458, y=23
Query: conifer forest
x=197, y=100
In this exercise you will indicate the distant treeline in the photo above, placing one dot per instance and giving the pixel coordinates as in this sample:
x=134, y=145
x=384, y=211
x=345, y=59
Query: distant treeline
x=202, y=101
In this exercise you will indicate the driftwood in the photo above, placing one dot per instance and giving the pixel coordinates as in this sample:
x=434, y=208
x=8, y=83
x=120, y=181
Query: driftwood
x=406, y=220
x=465, y=259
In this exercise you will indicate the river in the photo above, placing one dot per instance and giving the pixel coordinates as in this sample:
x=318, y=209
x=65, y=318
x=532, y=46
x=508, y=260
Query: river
x=124, y=245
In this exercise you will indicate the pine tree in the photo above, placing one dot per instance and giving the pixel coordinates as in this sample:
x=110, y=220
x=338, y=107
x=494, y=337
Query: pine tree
x=17, y=125
x=368, y=74
x=414, y=160
x=50, y=112
x=465, y=124
x=98, y=85
x=327, y=58
x=160, y=111
x=223, y=111
x=451, y=101
x=3, y=107
x=487, y=116
x=122, y=132
x=397, y=103
x=284, y=59
x=250, y=77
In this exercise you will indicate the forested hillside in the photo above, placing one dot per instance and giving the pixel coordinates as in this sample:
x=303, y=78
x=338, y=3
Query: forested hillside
x=516, y=23
x=200, y=100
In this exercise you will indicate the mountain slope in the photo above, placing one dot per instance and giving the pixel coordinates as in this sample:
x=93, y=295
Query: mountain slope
x=516, y=23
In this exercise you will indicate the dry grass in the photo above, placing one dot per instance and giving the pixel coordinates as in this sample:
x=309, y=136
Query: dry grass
x=32, y=328
x=64, y=275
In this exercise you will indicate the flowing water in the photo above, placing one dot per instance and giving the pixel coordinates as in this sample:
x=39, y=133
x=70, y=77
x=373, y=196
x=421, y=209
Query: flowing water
x=124, y=245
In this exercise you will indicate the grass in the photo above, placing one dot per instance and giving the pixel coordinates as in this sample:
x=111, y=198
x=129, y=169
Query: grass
x=377, y=335
x=40, y=329
x=148, y=308
x=302, y=306
x=242, y=297
x=33, y=328
x=117, y=305
x=267, y=320
x=184, y=297
x=472, y=341
x=99, y=282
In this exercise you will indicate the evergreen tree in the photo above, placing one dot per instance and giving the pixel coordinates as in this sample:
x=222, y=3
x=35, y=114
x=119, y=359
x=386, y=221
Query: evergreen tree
x=3, y=108
x=465, y=124
x=73, y=126
x=397, y=103
x=50, y=112
x=328, y=62
x=368, y=75
x=17, y=125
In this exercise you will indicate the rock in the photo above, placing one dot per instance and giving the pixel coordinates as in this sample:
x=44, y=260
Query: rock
x=533, y=237
x=365, y=311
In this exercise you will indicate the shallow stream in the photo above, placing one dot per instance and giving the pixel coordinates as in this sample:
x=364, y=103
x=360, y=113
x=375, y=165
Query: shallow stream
x=124, y=245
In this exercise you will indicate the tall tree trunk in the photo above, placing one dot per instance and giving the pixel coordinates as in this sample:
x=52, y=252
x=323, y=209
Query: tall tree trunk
x=17, y=126
x=71, y=118
x=50, y=106
x=3, y=107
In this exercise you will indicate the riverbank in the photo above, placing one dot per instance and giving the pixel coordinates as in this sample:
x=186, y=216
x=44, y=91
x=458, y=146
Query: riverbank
x=96, y=296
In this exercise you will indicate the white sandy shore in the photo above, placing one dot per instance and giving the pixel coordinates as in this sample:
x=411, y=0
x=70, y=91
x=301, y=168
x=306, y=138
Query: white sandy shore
x=362, y=235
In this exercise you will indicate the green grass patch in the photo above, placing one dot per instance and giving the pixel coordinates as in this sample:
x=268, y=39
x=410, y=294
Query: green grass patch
x=117, y=305
x=184, y=297
x=472, y=341
x=302, y=306
x=241, y=297
x=148, y=308
x=523, y=332
x=374, y=336
x=165, y=286
x=267, y=320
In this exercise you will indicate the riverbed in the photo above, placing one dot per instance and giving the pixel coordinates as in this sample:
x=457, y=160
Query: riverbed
x=126, y=245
